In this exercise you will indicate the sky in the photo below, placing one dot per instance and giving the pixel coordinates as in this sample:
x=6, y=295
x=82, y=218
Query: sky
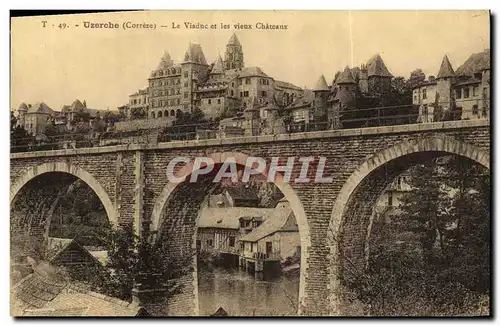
x=104, y=66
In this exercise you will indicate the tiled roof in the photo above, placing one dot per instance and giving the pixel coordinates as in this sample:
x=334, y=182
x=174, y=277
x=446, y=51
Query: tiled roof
x=217, y=69
x=234, y=40
x=39, y=295
x=283, y=84
x=23, y=107
x=305, y=100
x=165, y=61
x=77, y=106
x=470, y=81
x=242, y=192
x=345, y=77
x=194, y=53
x=446, y=70
x=377, y=67
x=279, y=221
x=65, y=108
x=475, y=63
x=251, y=72
x=228, y=218
x=40, y=107
x=321, y=84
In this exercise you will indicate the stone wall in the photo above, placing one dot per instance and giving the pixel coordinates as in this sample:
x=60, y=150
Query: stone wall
x=139, y=124
x=334, y=213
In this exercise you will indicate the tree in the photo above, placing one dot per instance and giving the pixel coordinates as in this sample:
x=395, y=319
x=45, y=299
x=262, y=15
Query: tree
x=433, y=257
x=186, y=124
x=137, y=113
x=417, y=76
x=20, y=139
x=399, y=85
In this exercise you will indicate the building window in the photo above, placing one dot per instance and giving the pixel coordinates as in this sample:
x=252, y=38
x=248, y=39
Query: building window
x=248, y=81
x=475, y=109
x=269, y=247
x=198, y=244
x=186, y=84
x=264, y=94
x=165, y=113
x=458, y=93
x=186, y=94
x=466, y=92
x=232, y=241
x=424, y=93
x=475, y=91
x=153, y=115
x=209, y=101
x=210, y=242
x=178, y=101
x=232, y=93
x=232, y=84
x=172, y=113
x=245, y=94
x=160, y=114
x=218, y=101
x=185, y=74
x=389, y=199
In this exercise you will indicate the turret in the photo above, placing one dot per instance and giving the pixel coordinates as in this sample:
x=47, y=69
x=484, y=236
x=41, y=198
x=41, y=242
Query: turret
x=363, y=79
x=444, y=81
x=23, y=108
x=320, y=97
x=346, y=92
x=379, y=77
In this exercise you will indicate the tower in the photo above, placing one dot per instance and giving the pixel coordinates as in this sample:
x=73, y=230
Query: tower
x=320, y=97
x=346, y=92
x=23, y=108
x=444, y=81
x=379, y=77
x=233, y=58
x=363, y=79
x=194, y=72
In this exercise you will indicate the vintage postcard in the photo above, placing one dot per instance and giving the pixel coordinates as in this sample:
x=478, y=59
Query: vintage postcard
x=250, y=163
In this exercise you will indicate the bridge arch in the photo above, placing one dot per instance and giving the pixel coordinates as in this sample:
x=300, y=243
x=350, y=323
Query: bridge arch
x=158, y=218
x=357, y=196
x=66, y=167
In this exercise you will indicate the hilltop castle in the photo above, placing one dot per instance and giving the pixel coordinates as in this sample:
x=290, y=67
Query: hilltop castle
x=324, y=104
x=219, y=89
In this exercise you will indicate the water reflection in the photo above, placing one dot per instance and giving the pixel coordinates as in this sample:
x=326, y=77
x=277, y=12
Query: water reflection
x=240, y=294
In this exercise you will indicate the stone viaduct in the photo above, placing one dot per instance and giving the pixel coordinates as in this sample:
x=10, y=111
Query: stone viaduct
x=333, y=218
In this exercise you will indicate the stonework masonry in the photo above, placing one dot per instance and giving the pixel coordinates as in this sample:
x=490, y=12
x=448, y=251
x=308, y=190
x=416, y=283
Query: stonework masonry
x=334, y=220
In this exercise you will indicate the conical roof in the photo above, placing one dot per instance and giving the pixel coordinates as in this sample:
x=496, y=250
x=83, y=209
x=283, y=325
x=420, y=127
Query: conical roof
x=346, y=77
x=23, y=107
x=218, y=68
x=376, y=67
x=321, y=84
x=165, y=61
x=194, y=53
x=234, y=40
x=446, y=70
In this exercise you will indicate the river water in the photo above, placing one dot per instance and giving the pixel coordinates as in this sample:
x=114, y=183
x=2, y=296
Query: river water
x=240, y=294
